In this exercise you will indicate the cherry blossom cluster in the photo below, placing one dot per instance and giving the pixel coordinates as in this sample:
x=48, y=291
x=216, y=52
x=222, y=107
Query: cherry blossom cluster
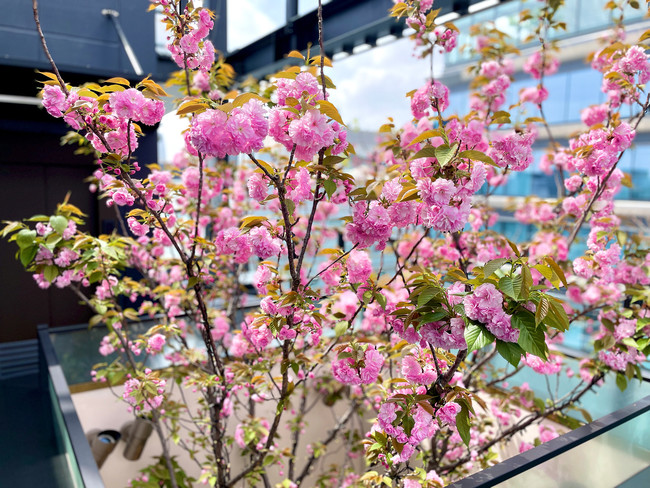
x=541, y=63
x=215, y=133
x=485, y=305
x=109, y=126
x=188, y=43
x=309, y=130
x=61, y=256
x=356, y=367
x=494, y=76
x=146, y=393
x=623, y=72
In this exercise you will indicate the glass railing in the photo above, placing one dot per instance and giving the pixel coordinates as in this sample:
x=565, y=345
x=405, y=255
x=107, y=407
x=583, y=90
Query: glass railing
x=613, y=451
x=70, y=437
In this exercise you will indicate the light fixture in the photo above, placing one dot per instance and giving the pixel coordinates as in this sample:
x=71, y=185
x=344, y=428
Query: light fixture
x=102, y=444
x=361, y=48
x=386, y=39
x=477, y=7
x=447, y=18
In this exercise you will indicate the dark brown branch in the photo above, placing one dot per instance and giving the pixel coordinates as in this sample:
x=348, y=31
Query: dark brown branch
x=45, y=49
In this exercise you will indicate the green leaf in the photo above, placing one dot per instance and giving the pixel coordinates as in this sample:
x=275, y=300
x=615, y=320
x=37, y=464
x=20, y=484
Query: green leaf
x=427, y=134
x=542, y=310
x=330, y=187
x=518, y=286
x=433, y=317
x=507, y=286
x=427, y=294
x=527, y=282
x=381, y=299
x=25, y=238
x=548, y=273
x=50, y=273
x=587, y=416
x=192, y=281
x=328, y=108
x=11, y=227
x=27, y=255
x=444, y=153
x=367, y=296
x=58, y=223
x=621, y=381
x=477, y=156
x=510, y=351
x=425, y=152
x=252, y=221
x=340, y=329
x=492, y=266
x=52, y=240
x=477, y=336
x=514, y=248
x=291, y=207
x=462, y=424
x=531, y=338
x=558, y=317
x=556, y=268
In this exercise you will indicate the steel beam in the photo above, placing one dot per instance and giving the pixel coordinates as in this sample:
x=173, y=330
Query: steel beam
x=346, y=24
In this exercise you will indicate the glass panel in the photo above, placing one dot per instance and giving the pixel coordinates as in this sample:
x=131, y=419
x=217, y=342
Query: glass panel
x=616, y=457
x=599, y=402
x=78, y=349
x=461, y=53
x=633, y=14
x=592, y=15
x=566, y=14
x=544, y=185
x=507, y=19
x=518, y=114
x=584, y=90
x=250, y=20
x=555, y=105
x=519, y=184
x=72, y=475
x=639, y=171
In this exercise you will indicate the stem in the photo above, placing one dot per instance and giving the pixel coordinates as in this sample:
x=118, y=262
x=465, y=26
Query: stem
x=45, y=49
x=399, y=270
x=330, y=437
x=165, y=449
x=259, y=457
x=330, y=265
x=295, y=435
x=198, y=208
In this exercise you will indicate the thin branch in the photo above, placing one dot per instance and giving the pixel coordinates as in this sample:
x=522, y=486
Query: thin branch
x=45, y=49
x=330, y=437
x=331, y=264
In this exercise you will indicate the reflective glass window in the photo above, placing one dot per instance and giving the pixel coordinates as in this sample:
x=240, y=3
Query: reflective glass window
x=584, y=90
x=555, y=105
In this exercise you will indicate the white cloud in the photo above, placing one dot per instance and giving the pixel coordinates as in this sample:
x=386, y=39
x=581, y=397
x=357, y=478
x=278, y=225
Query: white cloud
x=372, y=85
x=248, y=20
